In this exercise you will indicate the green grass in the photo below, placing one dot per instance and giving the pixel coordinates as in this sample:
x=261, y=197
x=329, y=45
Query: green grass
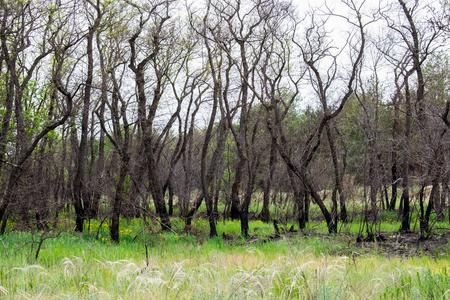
x=148, y=264
x=179, y=266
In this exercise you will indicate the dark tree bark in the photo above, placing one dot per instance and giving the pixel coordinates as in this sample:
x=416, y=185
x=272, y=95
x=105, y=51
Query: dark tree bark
x=82, y=205
x=405, y=201
x=338, y=176
x=394, y=154
x=265, y=213
x=121, y=141
x=151, y=143
x=252, y=167
x=299, y=196
x=99, y=168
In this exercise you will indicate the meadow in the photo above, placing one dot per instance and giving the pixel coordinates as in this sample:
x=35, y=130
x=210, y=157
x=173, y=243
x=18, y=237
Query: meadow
x=148, y=264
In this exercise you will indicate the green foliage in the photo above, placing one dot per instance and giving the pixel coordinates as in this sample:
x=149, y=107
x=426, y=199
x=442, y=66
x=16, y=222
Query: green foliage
x=351, y=126
x=437, y=73
x=36, y=108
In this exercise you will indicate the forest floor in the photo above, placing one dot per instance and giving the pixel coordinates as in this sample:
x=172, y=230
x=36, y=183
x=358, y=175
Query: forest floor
x=387, y=243
x=408, y=244
x=383, y=242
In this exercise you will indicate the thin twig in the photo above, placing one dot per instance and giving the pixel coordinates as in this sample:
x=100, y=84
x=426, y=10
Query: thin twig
x=154, y=217
x=136, y=236
x=41, y=241
x=100, y=226
x=4, y=247
x=10, y=164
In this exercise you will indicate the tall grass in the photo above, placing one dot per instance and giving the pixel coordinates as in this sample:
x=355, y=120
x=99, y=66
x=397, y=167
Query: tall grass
x=186, y=267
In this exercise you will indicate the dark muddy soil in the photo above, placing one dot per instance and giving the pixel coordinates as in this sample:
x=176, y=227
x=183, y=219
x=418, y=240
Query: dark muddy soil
x=407, y=244
x=389, y=244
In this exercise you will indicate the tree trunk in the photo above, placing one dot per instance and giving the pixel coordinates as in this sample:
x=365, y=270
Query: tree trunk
x=9, y=196
x=299, y=198
x=265, y=213
x=118, y=198
x=337, y=178
x=405, y=183
x=394, y=153
x=235, y=189
x=78, y=184
x=243, y=213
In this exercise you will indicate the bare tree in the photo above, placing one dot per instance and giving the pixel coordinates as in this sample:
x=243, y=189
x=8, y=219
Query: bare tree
x=412, y=46
x=82, y=205
x=314, y=49
x=22, y=21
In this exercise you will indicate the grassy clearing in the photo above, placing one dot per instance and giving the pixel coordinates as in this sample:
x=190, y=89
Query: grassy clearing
x=182, y=266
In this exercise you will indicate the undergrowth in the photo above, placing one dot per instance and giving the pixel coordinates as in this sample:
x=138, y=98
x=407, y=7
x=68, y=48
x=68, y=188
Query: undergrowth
x=147, y=264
